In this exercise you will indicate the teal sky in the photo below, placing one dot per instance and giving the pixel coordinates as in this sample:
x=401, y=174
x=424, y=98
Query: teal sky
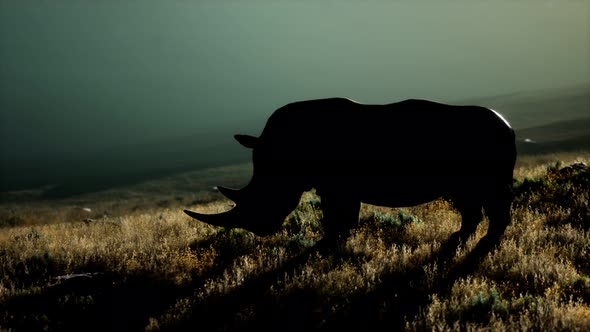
x=79, y=75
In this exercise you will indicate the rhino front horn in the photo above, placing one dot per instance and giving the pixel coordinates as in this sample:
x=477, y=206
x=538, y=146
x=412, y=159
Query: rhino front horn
x=224, y=219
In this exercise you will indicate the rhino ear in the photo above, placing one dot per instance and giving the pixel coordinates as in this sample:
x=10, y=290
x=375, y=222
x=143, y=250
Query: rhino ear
x=247, y=141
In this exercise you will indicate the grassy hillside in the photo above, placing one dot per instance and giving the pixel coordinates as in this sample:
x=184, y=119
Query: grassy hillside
x=157, y=269
x=31, y=207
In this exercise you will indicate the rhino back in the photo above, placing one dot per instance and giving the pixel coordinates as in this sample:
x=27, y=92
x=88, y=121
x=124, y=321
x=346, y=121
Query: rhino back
x=342, y=130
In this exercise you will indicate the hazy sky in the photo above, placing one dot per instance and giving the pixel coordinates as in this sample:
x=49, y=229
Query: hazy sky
x=85, y=74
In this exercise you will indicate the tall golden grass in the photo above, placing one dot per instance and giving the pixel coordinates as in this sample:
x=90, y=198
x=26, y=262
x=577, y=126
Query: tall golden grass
x=161, y=270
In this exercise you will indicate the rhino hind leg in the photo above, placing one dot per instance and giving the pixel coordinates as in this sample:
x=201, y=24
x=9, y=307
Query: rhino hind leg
x=469, y=204
x=496, y=203
x=498, y=209
x=471, y=216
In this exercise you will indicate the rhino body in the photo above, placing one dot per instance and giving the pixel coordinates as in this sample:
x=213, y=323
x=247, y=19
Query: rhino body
x=394, y=155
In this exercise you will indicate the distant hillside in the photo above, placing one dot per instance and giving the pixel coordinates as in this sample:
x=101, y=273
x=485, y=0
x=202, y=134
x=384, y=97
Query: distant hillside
x=558, y=136
x=123, y=165
x=537, y=108
x=549, y=120
x=557, y=119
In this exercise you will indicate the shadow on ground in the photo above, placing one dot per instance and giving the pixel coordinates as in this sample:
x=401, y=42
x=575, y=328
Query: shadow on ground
x=399, y=297
x=114, y=302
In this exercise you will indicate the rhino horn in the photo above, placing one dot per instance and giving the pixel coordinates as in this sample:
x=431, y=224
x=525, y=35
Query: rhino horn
x=224, y=219
x=233, y=194
x=247, y=141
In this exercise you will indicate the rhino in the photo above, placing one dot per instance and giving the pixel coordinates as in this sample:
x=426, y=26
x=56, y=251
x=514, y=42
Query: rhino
x=395, y=155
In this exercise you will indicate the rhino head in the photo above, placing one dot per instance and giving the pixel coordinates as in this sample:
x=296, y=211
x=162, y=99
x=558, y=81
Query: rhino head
x=261, y=206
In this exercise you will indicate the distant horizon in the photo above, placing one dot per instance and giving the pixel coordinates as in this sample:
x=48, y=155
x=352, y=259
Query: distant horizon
x=229, y=133
x=226, y=132
x=546, y=112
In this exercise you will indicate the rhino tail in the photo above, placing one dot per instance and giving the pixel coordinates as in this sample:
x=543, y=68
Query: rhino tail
x=247, y=140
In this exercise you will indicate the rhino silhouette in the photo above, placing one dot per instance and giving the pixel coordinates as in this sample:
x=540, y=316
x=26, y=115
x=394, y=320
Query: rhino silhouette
x=395, y=155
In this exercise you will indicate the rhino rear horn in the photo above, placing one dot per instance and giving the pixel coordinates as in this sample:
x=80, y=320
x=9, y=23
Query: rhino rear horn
x=233, y=194
x=247, y=140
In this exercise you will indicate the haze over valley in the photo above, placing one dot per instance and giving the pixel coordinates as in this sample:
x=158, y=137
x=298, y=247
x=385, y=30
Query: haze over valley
x=100, y=94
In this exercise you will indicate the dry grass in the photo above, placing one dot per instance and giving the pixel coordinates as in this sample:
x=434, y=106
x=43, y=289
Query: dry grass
x=161, y=270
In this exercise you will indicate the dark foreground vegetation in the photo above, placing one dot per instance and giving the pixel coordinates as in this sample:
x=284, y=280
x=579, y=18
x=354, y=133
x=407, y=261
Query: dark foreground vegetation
x=160, y=270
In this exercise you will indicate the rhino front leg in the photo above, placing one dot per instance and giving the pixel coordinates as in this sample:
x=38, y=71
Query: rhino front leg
x=341, y=214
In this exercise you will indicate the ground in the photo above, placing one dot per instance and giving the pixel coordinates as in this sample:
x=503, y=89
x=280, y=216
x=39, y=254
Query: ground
x=135, y=261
